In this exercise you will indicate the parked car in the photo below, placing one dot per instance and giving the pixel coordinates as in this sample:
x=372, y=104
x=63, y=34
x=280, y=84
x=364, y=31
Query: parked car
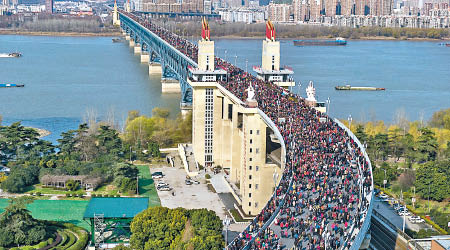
x=416, y=219
x=157, y=175
x=188, y=182
x=162, y=184
x=404, y=213
x=165, y=188
x=383, y=196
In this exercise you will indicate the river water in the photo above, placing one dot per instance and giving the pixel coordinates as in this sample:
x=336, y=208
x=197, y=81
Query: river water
x=68, y=77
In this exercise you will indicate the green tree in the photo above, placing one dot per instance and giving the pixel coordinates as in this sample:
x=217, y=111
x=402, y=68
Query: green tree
x=109, y=142
x=432, y=180
x=18, y=227
x=426, y=146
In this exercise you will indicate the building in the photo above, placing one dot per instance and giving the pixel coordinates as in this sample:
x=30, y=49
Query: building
x=49, y=6
x=242, y=15
x=235, y=135
x=279, y=12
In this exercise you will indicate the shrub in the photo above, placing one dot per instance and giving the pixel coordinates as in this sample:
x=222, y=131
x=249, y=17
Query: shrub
x=67, y=194
x=50, y=241
x=27, y=248
x=93, y=195
x=207, y=176
x=117, y=195
x=38, y=193
x=42, y=244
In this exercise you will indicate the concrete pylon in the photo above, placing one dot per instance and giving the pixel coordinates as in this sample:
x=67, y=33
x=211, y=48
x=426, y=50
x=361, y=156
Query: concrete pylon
x=170, y=85
x=132, y=43
x=137, y=49
x=154, y=68
x=145, y=57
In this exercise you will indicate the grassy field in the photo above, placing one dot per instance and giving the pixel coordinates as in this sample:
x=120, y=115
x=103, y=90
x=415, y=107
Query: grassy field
x=56, y=210
x=147, y=187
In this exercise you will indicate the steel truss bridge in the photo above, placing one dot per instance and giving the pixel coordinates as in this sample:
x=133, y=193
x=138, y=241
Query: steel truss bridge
x=177, y=63
x=172, y=61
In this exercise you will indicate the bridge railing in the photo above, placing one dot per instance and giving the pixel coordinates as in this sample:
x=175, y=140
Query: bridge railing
x=366, y=220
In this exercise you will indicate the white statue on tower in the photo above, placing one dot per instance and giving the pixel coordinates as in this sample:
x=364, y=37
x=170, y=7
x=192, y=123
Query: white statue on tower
x=250, y=93
x=251, y=102
x=311, y=93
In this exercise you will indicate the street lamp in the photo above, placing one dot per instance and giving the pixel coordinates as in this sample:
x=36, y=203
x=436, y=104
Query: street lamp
x=246, y=64
x=226, y=223
x=384, y=181
x=275, y=178
x=225, y=55
x=350, y=119
x=429, y=197
x=328, y=101
x=235, y=59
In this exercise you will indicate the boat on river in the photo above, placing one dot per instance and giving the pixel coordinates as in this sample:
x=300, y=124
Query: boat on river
x=349, y=87
x=14, y=54
x=336, y=42
x=11, y=85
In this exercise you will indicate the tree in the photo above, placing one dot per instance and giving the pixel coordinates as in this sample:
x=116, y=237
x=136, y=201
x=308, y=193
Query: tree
x=441, y=119
x=72, y=185
x=18, y=227
x=432, y=180
x=406, y=179
x=395, y=143
x=160, y=112
x=426, y=145
x=108, y=141
x=164, y=228
x=20, y=178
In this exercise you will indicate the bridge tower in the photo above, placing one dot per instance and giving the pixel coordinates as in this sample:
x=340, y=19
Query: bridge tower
x=232, y=133
x=116, y=20
x=270, y=69
x=127, y=6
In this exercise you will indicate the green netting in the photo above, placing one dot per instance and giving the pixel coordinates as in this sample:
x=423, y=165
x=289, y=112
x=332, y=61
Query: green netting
x=56, y=210
x=115, y=207
x=147, y=187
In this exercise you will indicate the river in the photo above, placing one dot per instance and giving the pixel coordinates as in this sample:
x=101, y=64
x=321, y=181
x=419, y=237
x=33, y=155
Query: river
x=67, y=77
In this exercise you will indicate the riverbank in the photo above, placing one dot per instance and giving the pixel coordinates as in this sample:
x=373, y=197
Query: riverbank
x=42, y=132
x=37, y=33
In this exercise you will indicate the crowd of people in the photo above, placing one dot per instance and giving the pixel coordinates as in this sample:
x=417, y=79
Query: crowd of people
x=322, y=197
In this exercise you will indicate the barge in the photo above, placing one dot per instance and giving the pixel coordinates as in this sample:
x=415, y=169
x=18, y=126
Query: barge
x=337, y=42
x=11, y=85
x=14, y=54
x=348, y=87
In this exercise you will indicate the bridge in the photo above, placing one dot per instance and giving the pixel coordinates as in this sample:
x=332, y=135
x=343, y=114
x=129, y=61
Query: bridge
x=322, y=189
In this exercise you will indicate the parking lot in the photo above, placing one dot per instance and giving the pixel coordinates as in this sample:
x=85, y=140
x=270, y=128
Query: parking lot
x=389, y=213
x=187, y=196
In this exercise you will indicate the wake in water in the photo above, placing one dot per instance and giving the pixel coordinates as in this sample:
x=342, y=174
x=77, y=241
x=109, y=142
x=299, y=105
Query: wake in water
x=4, y=55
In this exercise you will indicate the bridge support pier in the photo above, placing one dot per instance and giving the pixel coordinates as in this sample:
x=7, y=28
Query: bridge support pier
x=170, y=85
x=185, y=109
x=132, y=43
x=137, y=49
x=127, y=37
x=154, y=68
x=145, y=57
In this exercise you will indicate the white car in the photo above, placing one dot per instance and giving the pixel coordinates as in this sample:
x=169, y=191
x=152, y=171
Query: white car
x=383, y=196
x=161, y=184
x=416, y=219
x=404, y=213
